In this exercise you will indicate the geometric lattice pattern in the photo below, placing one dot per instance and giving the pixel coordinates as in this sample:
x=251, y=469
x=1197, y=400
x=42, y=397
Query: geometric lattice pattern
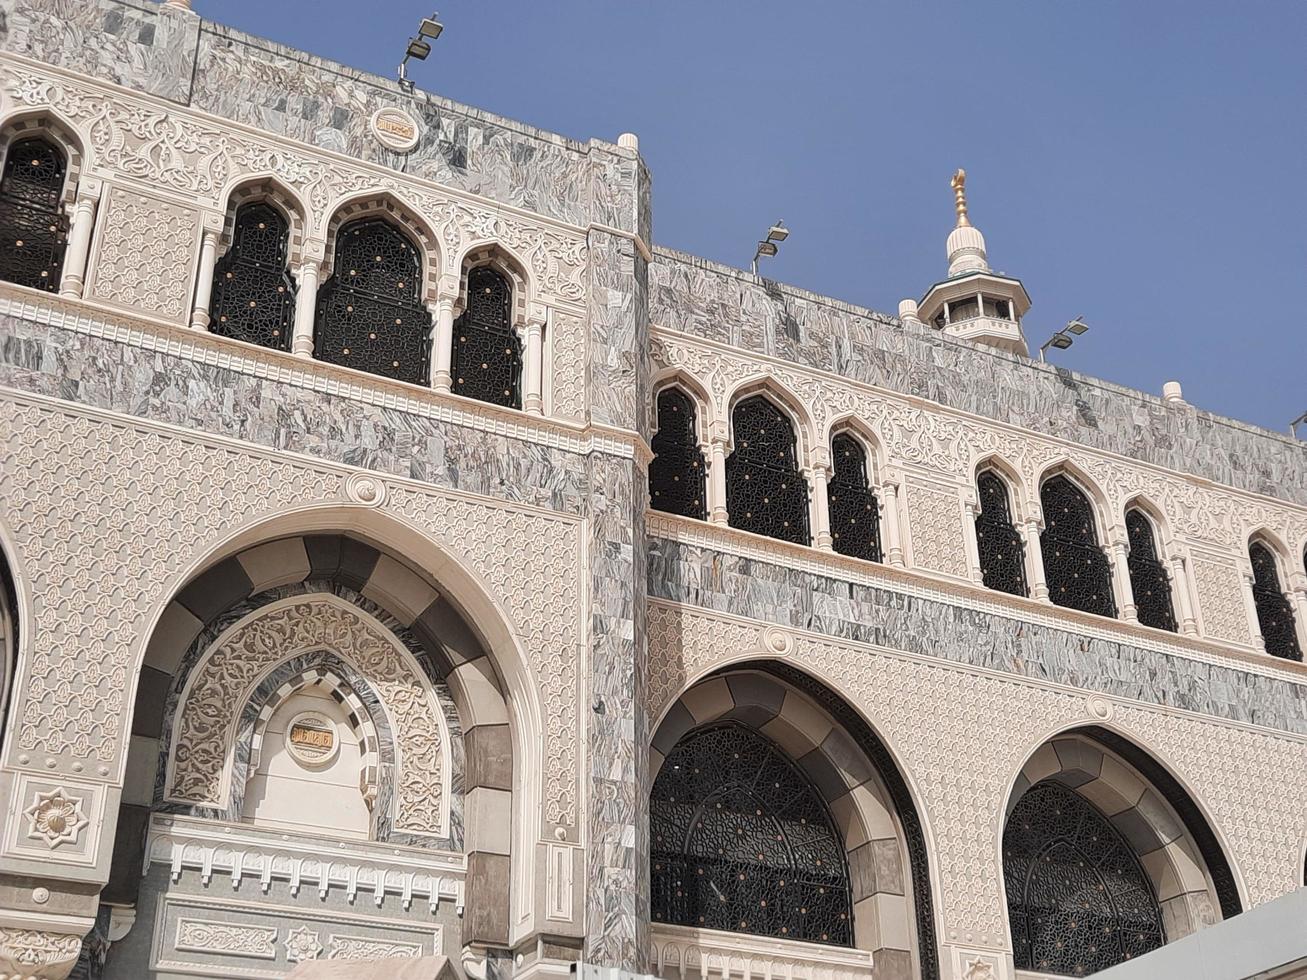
x=1002, y=552
x=1274, y=612
x=487, y=358
x=370, y=314
x=1078, y=899
x=676, y=473
x=854, y=511
x=253, y=294
x=742, y=841
x=1149, y=582
x=1078, y=573
x=33, y=229
x=765, y=492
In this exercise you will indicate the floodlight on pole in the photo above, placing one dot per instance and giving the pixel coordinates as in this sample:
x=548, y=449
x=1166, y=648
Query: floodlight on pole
x=776, y=234
x=1065, y=337
x=419, y=48
x=1293, y=426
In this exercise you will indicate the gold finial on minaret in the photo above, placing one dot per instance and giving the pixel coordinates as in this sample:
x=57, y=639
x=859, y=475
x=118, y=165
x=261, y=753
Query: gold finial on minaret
x=959, y=185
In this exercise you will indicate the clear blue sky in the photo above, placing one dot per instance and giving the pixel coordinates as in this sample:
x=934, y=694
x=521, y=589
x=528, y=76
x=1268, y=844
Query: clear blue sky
x=1140, y=164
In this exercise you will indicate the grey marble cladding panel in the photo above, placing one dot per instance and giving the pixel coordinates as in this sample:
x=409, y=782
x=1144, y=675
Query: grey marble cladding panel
x=105, y=374
x=723, y=305
x=865, y=614
x=140, y=45
x=287, y=92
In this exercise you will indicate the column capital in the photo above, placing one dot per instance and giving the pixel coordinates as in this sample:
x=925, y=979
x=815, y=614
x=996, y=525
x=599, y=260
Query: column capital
x=719, y=433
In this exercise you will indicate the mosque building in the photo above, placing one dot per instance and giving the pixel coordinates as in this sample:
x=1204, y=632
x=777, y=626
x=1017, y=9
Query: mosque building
x=406, y=562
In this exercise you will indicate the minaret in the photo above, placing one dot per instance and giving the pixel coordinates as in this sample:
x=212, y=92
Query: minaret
x=973, y=303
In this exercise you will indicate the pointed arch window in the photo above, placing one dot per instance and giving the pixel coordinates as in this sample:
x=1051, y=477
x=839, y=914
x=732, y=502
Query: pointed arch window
x=1274, y=612
x=370, y=314
x=1078, y=899
x=487, y=358
x=33, y=227
x=253, y=294
x=854, y=510
x=1002, y=551
x=765, y=492
x=741, y=840
x=676, y=473
x=1149, y=581
x=1078, y=573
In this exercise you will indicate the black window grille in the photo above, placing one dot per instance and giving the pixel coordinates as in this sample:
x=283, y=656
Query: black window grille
x=676, y=473
x=33, y=227
x=1002, y=550
x=765, y=492
x=370, y=314
x=253, y=294
x=1274, y=612
x=854, y=510
x=1078, y=573
x=1149, y=581
x=741, y=840
x=487, y=357
x=1078, y=899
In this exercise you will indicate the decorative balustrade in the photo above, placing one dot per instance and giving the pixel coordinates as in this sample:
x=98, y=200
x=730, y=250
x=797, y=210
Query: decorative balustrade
x=682, y=953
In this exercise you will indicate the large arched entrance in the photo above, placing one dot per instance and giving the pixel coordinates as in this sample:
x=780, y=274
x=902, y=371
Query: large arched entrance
x=1106, y=857
x=776, y=812
x=318, y=723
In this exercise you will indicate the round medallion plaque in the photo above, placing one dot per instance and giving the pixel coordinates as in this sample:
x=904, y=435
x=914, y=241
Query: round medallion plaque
x=311, y=739
x=395, y=128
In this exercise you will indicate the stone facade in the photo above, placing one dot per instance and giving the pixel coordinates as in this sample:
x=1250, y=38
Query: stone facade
x=203, y=537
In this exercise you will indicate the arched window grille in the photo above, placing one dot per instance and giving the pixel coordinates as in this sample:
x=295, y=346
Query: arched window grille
x=33, y=227
x=253, y=294
x=1149, y=581
x=1002, y=551
x=765, y=492
x=854, y=511
x=487, y=357
x=676, y=473
x=1078, y=899
x=1079, y=575
x=741, y=840
x=370, y=314
x=1274, y=613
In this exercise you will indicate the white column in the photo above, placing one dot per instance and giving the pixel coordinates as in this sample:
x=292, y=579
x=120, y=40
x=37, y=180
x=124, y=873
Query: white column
x=306, y=307
x=533, y=369
x=972, y=507
x=1250, y=607
x=718, y=439
x=79, y=241
x=204, y=282
x=1180, y=588
x=819, y=510
x=1297, y=596
x=890, y=523
x=1120, y=566
x=1035, y=560
x=442, y=344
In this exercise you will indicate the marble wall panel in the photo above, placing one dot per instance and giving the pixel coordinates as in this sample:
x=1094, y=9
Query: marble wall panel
x=728, y=306
x=278, y=89
x=103, y=374
x=140, y=45
x=617, y=899
x=772, y=593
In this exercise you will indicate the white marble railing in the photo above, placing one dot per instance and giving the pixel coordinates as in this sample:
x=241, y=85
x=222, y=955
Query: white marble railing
x=682, y=952
x=212, y=848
